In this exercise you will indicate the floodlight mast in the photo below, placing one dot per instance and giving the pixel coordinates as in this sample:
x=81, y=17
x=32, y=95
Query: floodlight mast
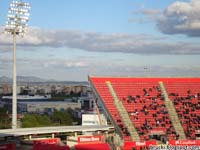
x=18, y=16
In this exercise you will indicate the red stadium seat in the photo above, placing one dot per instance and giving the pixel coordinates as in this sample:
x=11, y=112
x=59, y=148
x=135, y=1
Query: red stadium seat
x=144, y=102
x=103, y=146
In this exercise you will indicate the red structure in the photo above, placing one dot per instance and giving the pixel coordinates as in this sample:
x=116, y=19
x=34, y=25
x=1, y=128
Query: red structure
x=90, y=139
x=48, y=144
x=139, y=145
x=144, y=102
x=8, y=146
x=99, y=146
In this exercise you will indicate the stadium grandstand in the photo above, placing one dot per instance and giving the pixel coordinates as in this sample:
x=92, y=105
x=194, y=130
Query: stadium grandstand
x=146, y=109
x=142, y=113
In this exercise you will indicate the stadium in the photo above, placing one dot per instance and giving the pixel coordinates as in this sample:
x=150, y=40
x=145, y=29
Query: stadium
x=144, y=112
x=151, y=110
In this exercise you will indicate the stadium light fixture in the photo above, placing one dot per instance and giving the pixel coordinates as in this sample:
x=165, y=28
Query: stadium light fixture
x=18, y=17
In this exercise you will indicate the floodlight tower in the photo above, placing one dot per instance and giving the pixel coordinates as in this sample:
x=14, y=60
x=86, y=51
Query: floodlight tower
x=18, y=16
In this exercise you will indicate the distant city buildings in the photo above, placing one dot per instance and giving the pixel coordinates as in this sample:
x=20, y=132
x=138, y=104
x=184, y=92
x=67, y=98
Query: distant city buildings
x=34, y=89
x=45, y=98
x=6, y=89
x=47, y=107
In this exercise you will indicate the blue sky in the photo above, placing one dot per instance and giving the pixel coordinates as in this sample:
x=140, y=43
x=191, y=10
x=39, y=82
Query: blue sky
x=69, y=40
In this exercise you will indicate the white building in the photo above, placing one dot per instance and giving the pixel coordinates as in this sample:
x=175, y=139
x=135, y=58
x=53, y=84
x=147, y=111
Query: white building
x=41, y=107
x=28, y=97
x=93, y=119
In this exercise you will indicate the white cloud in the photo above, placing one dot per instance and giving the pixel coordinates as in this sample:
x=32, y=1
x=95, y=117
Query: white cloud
x=78, y=69
x=58, y=69
x=151, y=12
x=58, y=63
x=100, y=42
x=65, y=64
x=145, y=15
x=181, y=18
x=51, y=63
x=153, y=71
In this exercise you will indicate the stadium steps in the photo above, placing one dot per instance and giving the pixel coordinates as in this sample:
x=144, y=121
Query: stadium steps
x=124, y=114
x=172, y=113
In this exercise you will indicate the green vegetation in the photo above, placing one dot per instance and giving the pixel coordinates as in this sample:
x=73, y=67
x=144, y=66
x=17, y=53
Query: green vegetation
x=35, y=120
x=5, y=122
x=58, y=118
x=61, y=118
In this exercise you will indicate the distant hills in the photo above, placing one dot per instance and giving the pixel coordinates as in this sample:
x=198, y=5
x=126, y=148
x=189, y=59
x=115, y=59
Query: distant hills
x=33, y=79
x=5, y=79
x=22, y=79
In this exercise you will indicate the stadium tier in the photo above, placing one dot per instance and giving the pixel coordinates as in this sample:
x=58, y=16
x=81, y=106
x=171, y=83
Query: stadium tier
x=49, y=144
x=99, y=146
x=50, y=147
x=151, y=107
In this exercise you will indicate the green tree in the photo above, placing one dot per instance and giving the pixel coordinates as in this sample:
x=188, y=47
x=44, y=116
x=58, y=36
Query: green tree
x=61, y=118
x=35, y=120
x=4, y=119
x=43, y=120
x=29, y=121
x=57, y=118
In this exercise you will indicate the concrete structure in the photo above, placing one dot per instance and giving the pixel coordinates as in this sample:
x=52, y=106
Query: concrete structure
x=28, y=97
x=45, y=130
x=93, y=119
x=48, y=107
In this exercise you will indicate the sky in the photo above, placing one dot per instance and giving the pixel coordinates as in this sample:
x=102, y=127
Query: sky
x=71, y=39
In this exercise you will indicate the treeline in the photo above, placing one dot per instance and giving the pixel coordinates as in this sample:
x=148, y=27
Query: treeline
x=58, y=118
x=5, y=121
